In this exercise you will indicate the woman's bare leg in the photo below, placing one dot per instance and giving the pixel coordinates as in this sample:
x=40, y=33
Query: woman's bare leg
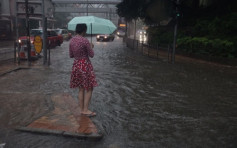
x=81, y=99
x=87, y=99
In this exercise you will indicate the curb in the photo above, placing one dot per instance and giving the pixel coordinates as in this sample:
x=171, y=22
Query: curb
x=92, y=136
x=12, y=70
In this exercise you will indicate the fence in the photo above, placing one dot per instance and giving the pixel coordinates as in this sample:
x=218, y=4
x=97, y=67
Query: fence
x=7, y=51
x=150, y=50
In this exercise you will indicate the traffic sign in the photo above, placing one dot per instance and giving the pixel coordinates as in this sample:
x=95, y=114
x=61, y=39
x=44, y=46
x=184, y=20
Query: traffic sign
x=38, y=44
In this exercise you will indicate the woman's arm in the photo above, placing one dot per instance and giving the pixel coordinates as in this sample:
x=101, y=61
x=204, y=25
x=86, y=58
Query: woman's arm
x=89, y=49
x=70, y=50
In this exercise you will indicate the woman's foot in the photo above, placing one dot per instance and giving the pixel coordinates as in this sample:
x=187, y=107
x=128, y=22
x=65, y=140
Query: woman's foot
x=88, y=113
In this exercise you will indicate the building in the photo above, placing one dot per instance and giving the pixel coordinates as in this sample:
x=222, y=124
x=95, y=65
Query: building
x=9, y=8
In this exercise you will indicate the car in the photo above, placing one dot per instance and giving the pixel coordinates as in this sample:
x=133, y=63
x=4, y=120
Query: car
x=66, y=35
x=120, y=33
x=53, y=39
x=105, y=37
x=141, y=35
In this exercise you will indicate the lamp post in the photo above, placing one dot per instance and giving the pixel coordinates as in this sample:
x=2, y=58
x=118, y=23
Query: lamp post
x=87, y=8
x=28, y=32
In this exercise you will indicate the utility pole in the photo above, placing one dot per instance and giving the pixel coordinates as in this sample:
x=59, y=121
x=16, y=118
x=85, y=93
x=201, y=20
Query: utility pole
x=44, y=29
x=175, y=32
x=17, y=32
x=135, y=30
x=28, y=32
x=87, y=8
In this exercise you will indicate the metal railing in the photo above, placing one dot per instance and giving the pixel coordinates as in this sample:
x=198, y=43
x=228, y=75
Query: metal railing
x=151, y=50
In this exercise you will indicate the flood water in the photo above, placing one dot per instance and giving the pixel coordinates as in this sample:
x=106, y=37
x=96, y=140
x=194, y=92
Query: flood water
x=140, y=102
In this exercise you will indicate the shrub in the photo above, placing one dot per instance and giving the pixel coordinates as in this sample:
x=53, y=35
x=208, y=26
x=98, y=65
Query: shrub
x=205, y=46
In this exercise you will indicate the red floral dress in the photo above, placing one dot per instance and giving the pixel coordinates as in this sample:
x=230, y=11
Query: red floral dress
x=82, y=70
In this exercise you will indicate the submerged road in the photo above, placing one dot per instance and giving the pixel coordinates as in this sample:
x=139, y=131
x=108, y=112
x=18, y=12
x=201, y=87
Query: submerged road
x=140, y=102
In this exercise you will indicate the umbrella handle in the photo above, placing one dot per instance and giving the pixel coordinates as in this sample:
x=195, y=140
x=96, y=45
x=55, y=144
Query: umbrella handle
x=91, y=32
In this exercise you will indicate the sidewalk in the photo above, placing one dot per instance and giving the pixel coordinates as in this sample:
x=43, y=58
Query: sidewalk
x=10, y=66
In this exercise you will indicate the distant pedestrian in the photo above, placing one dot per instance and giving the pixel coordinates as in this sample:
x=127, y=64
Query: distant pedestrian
x=82, y=75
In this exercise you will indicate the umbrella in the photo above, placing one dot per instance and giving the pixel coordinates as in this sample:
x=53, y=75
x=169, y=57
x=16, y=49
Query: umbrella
x=95, y=25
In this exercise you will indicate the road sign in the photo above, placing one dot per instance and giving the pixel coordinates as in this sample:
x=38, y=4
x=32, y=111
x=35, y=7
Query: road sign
x=38, y=44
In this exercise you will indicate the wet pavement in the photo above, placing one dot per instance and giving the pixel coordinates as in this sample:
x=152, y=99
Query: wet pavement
x=140, y=102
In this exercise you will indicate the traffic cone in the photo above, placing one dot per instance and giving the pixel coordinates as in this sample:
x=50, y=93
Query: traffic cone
x=22, y=53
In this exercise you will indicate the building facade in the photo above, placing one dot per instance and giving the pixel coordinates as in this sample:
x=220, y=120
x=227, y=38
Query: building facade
x=10, y=9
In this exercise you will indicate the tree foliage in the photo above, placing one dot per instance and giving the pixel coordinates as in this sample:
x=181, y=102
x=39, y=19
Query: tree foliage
x=205, y=26
x=153, y=11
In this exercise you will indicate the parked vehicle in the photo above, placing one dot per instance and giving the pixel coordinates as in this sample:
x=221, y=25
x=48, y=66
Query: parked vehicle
x=66, y=35
x=53, y=39
x=120, y=33
x=141, y=35
x=105, y=37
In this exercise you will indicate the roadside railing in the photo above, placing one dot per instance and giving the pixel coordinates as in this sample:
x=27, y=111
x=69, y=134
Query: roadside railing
x=7, y=54
x=151, y=50
x=165, y=52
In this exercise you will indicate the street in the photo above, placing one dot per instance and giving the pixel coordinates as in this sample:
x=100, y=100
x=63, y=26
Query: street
x=140, y=102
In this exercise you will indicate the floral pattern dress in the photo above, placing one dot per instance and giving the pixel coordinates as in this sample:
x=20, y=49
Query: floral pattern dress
x=82, y=75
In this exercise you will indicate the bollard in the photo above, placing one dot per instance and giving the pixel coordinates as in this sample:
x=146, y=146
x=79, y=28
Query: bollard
x=15, y=52
x=157, y=48
x=137, y=45
x=48, y=56
x=32, y=52
x=22, y=53
x=148, y=50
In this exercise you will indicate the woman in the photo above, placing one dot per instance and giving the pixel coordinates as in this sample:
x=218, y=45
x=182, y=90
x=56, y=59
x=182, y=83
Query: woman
x=82, y=75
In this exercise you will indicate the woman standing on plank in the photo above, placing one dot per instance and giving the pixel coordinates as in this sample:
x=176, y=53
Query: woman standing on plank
x=82, y=75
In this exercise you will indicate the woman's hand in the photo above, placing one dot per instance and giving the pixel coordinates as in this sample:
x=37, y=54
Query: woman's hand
x=92, y=45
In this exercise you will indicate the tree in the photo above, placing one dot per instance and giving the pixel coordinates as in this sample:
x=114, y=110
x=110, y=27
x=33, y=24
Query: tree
x=153, y=11
x=132, y=9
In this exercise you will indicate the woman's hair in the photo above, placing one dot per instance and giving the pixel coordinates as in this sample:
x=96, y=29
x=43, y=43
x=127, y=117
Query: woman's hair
x=81, y=28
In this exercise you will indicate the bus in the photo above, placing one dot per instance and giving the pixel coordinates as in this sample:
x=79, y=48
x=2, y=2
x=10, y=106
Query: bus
x=121, y=27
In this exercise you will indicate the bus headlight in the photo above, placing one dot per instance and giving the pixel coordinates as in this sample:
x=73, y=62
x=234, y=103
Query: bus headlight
x=98, y=36
x=19, y=41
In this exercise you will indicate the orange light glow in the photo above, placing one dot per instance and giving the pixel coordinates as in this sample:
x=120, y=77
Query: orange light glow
x=122, y=25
